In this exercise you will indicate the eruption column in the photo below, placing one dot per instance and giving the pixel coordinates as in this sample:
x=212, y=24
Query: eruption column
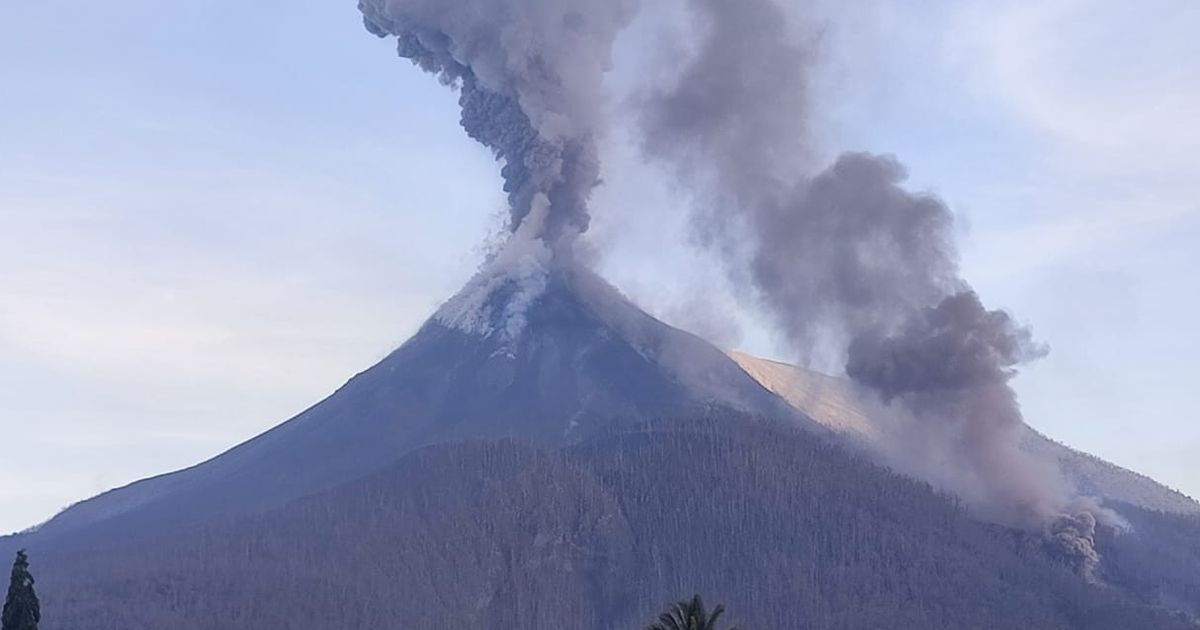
x=845, y=253
x=529, y=75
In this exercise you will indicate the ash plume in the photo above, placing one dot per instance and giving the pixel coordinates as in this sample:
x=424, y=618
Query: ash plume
x=845, y=253
x=949, y=366
x=529, y=75
x=848, y=253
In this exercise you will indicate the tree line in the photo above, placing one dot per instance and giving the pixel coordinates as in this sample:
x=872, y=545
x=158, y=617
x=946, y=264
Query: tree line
x=22, y=610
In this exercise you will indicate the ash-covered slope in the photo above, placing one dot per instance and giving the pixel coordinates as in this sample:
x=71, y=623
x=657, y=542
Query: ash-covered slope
x=787, y=529
x=831, y=402
x=547, y=360
x=642, y=470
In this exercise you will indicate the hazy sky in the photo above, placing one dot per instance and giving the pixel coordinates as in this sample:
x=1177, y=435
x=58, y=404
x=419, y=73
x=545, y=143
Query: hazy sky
x=212, y=214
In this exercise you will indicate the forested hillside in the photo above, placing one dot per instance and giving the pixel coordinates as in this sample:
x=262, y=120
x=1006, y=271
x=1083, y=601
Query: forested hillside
x=786, y=529
x=1158, y=559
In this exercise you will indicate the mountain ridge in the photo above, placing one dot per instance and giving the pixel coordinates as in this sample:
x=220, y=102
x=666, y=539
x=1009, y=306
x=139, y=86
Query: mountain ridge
x=832, y=402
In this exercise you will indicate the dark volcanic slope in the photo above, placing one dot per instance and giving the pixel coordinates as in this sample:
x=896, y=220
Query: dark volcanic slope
x=580, y=358
x=786, y=529
x=392, y=505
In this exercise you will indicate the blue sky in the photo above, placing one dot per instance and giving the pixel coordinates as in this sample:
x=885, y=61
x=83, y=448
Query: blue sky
x=212, y=214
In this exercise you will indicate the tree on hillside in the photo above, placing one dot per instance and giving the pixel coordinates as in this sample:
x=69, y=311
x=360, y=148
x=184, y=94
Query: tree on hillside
x=689, y=615
x=21, y=608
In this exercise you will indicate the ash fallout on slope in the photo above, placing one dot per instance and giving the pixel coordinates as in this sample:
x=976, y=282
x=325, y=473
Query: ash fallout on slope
x=844, y=252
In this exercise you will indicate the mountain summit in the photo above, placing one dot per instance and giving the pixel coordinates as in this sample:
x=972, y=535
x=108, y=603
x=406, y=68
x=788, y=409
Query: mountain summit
x=546, y=358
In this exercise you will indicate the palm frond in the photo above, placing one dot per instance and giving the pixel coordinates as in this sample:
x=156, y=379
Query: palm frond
x=689, y=615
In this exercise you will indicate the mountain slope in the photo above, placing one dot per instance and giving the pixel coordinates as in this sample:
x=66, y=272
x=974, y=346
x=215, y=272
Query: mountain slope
x=542, y=454
x=831, y=402
x=787, y=529
x=580, y=358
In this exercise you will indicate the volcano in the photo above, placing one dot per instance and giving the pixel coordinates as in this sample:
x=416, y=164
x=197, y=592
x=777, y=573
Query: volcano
x=495, y=361
x=544, y=454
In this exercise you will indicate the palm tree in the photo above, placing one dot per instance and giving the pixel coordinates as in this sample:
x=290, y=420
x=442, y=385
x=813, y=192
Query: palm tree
x=689, y=615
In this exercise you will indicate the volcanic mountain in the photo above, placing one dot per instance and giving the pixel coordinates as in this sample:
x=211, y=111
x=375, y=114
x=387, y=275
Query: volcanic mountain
x=548, y=365
x=543, y=454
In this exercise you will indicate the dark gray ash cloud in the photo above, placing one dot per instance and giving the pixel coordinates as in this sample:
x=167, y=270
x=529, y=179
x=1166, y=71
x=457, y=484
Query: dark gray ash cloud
x=529, y=74
x=847, y=253
x=1072, y=537
x=956, y=346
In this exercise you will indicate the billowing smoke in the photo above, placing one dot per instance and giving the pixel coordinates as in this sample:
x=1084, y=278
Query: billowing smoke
x=529, y=75
x=848, y=254
x=949, y=365
x=845, y=254
x=1072, y=537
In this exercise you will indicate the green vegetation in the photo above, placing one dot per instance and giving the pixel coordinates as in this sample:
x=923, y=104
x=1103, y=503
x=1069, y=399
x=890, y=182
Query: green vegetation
x=21, y=608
